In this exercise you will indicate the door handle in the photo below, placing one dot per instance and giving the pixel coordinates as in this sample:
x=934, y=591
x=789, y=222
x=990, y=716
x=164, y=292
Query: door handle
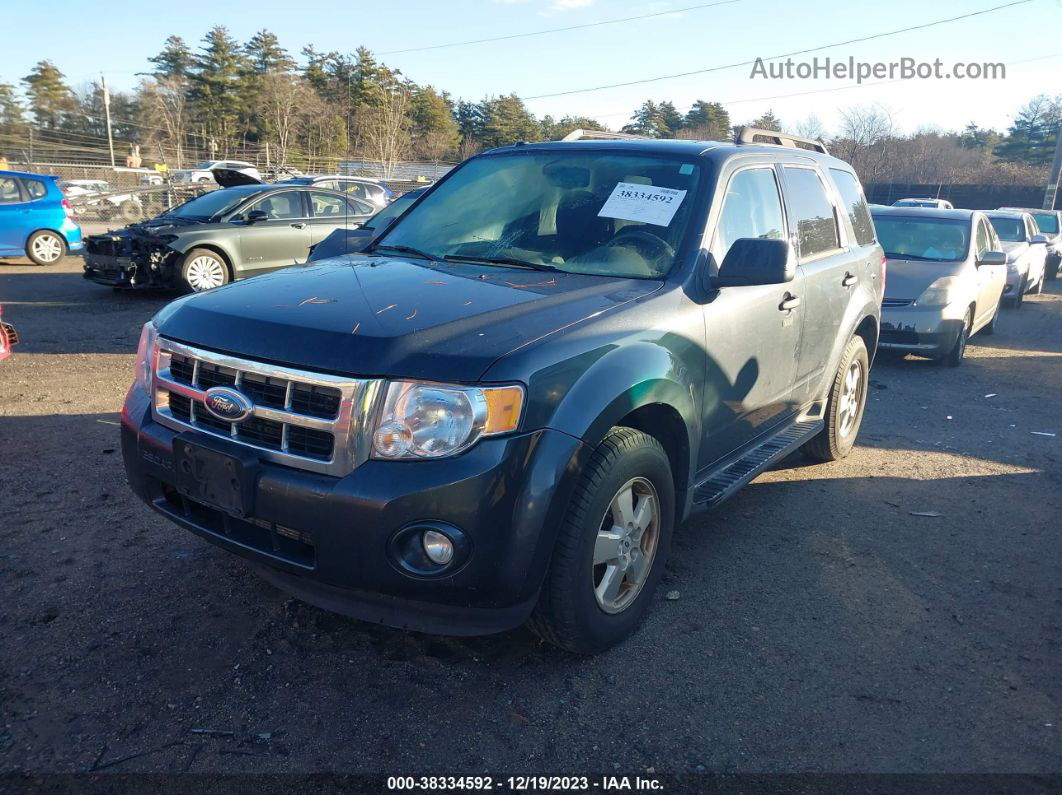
x=849, y=279
x=790, y=302
x=299, y=225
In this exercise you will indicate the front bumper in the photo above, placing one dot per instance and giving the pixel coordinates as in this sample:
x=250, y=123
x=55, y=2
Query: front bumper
x=930, y=331
x=130, y=262
x=1017, y=284
x=326, y=539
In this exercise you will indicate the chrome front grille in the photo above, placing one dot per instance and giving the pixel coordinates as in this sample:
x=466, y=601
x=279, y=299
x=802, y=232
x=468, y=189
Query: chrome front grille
x=890, y=302
x=301, y=419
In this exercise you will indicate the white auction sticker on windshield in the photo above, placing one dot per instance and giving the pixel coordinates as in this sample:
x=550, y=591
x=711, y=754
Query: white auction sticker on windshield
x=645, y=203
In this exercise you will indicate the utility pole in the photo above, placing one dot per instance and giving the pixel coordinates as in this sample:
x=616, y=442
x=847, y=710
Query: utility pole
x=1052, y=179
x=107, y=113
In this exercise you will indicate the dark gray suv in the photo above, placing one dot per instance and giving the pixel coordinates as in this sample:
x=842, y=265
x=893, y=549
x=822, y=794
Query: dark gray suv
x=500, y=410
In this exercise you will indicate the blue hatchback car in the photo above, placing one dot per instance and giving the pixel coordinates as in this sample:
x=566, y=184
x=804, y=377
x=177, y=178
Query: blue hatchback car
x=35, y=219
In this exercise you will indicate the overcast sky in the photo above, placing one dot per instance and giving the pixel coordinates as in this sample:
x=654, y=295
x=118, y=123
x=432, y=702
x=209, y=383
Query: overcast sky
x=117, y=37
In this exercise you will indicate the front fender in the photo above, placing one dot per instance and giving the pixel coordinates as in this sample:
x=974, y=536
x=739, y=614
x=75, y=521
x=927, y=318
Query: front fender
x=185, y=243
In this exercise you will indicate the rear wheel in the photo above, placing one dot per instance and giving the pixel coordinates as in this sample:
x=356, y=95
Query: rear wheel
x=612, y=546
x=45, y=247
x=844, y=406
x=129, y=210
x=203, y=270
x=1017, y=302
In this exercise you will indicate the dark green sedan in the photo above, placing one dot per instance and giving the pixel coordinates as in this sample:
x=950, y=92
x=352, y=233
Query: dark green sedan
x=222, y=236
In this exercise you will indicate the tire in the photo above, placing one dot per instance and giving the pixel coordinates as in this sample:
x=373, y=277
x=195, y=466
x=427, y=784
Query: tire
x=954, y=357
x=1017, y=302
x=1040, y=284
x=46, y=247
x=844, y=410
x=576, y=610
x=990, y=327
x=202, y=270
x=1052, y=270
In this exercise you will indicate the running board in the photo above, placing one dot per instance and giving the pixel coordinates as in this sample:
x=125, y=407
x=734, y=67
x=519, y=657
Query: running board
x=724, y=482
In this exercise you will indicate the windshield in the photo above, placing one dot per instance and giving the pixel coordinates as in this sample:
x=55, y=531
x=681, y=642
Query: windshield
x=616, y=214
x=928, y=239
x=206, y=165
x=1047, y=222
x=1010, y=230
x=211, y=204
x=914, y=203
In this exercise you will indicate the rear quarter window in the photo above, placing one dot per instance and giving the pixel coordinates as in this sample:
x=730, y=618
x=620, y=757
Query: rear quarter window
x=9, y=191
x=35, y=188
x=855, y=205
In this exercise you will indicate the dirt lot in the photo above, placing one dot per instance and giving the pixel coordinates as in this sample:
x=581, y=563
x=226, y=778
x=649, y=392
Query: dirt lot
x=820, y=625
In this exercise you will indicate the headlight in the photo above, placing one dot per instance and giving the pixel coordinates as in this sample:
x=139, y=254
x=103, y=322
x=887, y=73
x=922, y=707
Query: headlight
x=145, y=356
x=940, y=293
x=421, y=420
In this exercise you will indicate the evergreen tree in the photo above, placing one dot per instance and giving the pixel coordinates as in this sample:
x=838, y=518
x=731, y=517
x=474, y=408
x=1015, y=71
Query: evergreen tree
x=50, y=98
x=670, y=119
x=218, y=85
x=175, y=59
x=648, y=120
x=768, y=121
x=11, y=110
x=555, y=130
x=435, y=132
x=708, y=120
x=507, y=120
x=265, y=54
x=1031, y=139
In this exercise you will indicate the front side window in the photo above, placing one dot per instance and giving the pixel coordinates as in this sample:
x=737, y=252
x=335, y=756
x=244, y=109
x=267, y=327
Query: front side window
x=592, y=212
x=855, y=205
x=280, y=206
x=812, y=212
x=9, y=191
x=752, y=207
x=1009, y=229
x=923, y=239
x=984, y=240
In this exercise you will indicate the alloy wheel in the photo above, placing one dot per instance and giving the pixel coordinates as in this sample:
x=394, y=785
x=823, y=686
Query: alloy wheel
x=47, y=248
x=205, y=273
x=626, y=544
x=851, y=397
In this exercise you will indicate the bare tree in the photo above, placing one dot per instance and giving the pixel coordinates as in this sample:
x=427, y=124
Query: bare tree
x=164, y=104
x=810, y=127
x=282, y=105
x=385, y=129
x=865, y=140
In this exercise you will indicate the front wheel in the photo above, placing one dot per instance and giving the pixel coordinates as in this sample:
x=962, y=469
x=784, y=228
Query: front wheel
x=45, y=247
x=844, y=406
x=954, y=357
x=612, y=547
x=203, y=270
x=993, y=324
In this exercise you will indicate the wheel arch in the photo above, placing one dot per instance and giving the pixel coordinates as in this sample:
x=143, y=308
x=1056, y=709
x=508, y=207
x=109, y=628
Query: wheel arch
x=664, y=423
x=226, y=257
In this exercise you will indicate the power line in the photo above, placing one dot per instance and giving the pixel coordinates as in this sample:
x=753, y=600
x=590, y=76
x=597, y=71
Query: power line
x=782, y=55
x=561, y=30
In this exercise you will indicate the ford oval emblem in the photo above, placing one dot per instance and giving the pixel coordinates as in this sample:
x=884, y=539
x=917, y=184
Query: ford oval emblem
x=228, y=404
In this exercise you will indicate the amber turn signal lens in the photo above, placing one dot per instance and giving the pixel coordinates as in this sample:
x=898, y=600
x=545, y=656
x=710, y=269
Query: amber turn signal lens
x=504, y=404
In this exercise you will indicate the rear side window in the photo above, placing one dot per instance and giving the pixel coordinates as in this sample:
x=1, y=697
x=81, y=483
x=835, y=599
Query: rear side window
x=752, y=207
x=812, y=212
x=35, y=188
x=353, y=188
x=855, y=205
x=327, y=205
x=9, y=191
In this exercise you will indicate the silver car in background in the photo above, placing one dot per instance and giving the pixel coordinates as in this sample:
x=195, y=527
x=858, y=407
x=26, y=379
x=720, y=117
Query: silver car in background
x=1026, y=251
x=944, y=280
x=368, y=190
x=1049, y=222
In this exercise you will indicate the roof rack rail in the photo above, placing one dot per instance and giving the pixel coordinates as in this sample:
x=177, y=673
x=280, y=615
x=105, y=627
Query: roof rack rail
x=601, y=135
x=754, y=135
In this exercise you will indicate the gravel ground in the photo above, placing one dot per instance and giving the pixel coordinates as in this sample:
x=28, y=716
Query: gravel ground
x=820, y=625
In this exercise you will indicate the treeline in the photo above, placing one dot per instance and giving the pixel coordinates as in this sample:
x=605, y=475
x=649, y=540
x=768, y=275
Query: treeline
x=254, y=100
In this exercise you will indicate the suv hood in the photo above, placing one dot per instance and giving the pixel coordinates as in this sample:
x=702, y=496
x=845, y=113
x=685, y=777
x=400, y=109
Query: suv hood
x=374, y=316
x=907, y=279
x=1013, y=248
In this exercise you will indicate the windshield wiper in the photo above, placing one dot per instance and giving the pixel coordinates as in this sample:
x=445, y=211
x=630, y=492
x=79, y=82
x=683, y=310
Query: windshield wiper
x=513, y=262
x=416, y=252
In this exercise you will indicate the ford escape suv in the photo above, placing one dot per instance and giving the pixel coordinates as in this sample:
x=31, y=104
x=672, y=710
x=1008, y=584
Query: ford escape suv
x=499, y=411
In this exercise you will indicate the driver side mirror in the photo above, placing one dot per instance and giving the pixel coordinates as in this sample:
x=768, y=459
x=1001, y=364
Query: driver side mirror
x=255, y=216
x=992, y=258
x=756, y=260
x=1037, y=239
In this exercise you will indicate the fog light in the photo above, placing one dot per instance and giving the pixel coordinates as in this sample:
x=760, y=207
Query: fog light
x=437, y=547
